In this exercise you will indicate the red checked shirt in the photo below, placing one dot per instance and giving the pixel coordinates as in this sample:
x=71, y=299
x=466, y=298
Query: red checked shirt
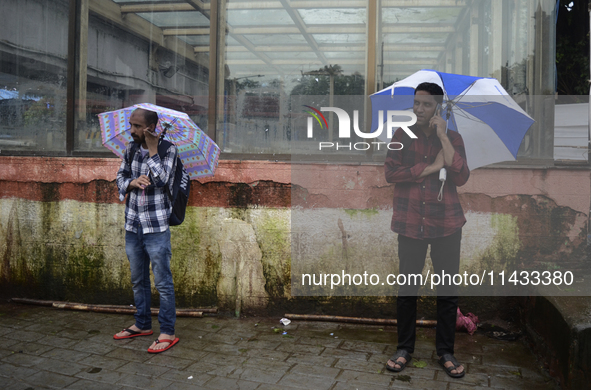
x=417, y=212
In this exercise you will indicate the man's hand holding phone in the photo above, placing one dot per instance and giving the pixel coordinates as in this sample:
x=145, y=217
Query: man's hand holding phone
x=438, y=123
x=438, y=109
x=151, y=140
x=150, y=132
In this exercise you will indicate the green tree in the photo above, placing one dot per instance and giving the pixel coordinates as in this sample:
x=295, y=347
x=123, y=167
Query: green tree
x=317, y=82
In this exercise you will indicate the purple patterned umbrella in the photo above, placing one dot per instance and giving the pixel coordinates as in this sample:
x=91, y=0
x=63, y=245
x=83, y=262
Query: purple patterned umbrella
x=197, y=151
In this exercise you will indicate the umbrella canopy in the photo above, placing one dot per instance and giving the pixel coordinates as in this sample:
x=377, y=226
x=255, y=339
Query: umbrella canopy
x=491, y=123
x=197, y=151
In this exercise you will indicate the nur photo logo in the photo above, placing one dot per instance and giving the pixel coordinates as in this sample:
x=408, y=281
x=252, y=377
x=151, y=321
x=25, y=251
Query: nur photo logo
x=393, y=121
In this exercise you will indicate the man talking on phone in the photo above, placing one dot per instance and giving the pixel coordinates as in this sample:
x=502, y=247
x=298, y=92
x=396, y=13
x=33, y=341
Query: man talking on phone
x=427, y=212
x=143, y=176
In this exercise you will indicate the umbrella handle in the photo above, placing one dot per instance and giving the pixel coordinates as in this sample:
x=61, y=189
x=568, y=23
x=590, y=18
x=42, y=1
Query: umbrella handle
x=164, y=130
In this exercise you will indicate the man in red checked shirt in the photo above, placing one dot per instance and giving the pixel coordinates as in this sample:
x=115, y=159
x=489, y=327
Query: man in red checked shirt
x=420, y=220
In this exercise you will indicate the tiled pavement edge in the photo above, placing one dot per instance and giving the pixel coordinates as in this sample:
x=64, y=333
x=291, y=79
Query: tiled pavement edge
x=50, y=348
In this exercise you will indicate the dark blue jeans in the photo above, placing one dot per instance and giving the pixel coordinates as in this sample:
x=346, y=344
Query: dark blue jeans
x=445, y=254
x=143, y=249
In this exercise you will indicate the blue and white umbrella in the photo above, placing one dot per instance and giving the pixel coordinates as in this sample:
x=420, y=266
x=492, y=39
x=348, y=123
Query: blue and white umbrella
x=491, y=123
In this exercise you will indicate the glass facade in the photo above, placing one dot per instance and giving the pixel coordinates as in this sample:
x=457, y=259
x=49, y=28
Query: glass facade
x=33, y=76
x=243, y=70
x=141, y=55
x=280, y=58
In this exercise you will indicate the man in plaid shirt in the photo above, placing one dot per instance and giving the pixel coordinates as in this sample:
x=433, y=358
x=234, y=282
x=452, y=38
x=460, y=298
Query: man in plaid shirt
x=425, y=216
x=143, y=176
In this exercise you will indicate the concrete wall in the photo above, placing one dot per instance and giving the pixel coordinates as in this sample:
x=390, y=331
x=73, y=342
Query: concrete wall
x=516, y=218
x=61, y=228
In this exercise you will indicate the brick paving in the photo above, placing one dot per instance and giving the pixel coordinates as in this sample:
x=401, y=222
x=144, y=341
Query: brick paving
x=47, y=348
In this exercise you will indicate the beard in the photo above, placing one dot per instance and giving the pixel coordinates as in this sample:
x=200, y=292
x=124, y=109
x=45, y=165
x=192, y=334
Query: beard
x=137, y=139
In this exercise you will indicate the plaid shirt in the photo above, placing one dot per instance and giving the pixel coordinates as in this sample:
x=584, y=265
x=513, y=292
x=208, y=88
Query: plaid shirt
x=150, y=207
x=417, y=212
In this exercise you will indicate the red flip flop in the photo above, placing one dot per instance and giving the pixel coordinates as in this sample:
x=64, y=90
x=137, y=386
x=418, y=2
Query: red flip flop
x=132, y=333
x=171, y=343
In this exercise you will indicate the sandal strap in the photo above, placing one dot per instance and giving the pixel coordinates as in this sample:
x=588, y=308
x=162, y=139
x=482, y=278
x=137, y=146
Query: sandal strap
x=401, y=353
x=169, y=341
x=448, y=357
x=131, y=331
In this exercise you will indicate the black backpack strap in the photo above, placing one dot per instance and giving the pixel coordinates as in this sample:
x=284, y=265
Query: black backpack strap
x=163, y=146
x=132, y=151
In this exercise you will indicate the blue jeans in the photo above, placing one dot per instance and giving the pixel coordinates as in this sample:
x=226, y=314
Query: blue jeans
x=143, y=249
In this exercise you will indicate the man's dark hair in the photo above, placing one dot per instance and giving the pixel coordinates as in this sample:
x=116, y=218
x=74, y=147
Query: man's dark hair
x=149, y=116
x=433, y=89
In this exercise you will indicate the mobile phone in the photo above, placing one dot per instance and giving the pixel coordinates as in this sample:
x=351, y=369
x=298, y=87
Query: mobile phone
x=438, y=109
x=153, y=133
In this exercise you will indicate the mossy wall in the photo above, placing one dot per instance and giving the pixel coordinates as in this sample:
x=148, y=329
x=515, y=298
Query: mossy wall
x=75, y=251
x=61, y=231
x=241, y=259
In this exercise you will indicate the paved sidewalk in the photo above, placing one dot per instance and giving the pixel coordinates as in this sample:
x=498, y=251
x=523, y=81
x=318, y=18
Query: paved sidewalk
x=50, y=348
